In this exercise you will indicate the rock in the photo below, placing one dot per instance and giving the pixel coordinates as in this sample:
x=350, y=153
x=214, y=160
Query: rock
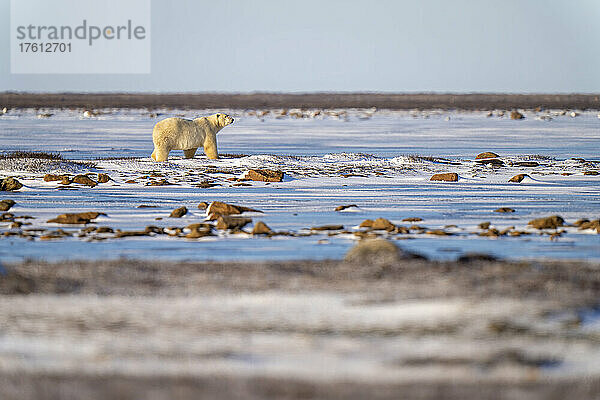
x=7, y=217
x=260, y=228
x=10, y=184
x=504, y=210
x=122, y=234
x=518, y=178
x=447, y=177
x=594, y=225
x=591, y=173
x=341, y=208
x=63, y=178
x=227, y=222
x=146, y=206
x=6, y=204
x=516, y=115
x=487, y=154
x=103, y=178
x=367, y=223
x=490, y=161
x=383, y=224
x=76, y=218
x=327, y=228
x=199, y=230
x=412, y=219
x=206, y=184
x=84, y=180
x=178, y=212
x=551, y=222
x=375, y=252
x=220, y=208
x=581, y=221
x=526, y=164
x=203, y=205
x=104, y=229
x=484, y=225
x=438, y=232
x=264, y=175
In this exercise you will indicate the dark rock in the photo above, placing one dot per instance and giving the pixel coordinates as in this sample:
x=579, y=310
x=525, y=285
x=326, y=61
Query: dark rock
x=516, y=115
x=551, y=222
x=438, y=232
x=220, y=208
x=487, y=154
x=227, y=222
x=52, y=178
x=178, y=212
x=76, y=218
x=484, y=225
x=491, y=161
x=376, y=252
x=146, y=206
x=518, y=178
x=103, y=178
x=341, y=208
x=10, y=184
x=526, y=164
x=260, y=228
x=447, y=177
x=6, y=204
x=412, y=219
x=203, y=205
x=591, y=173
x=504, y=210
x=122, y=234
x=327, y=228
x=84, y=180
x=265, y=175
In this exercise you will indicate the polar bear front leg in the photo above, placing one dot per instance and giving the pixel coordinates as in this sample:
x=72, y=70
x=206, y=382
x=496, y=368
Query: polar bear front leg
x=160, y=154
x=210, y=146
x=189, y=153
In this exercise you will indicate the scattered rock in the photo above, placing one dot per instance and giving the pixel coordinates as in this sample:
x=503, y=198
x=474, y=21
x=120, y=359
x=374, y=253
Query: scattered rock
x=84, y=180
x=260, y=228
x=516, y=115
x=76, y=218
x=375, y=252
x=264, y=175
x=438, y=232
x=383, y=224
x=412, y=219
x=591, y=173
x=122, y=234
x=327, y=228
x=367, y=223
x=131, y=181
x=178, y=212
x=504, y=210
x=6, y=204
x=160, y=182
x=146, y=206
x=7, y=217
x=526, y=164
x=103, y=178
x=10, y=184
x=220, y=208
x=65, y=180
x=446, y=177
x=203, y=205
x=518, y=178
x=487, y=154
x=595, y=224
x=206, y=184
x=104, y=229
x=581, y=221
x=227, y=222
x=484, y=225
x=341, y=208
x=490, y=161
x=551, y=222
x=199, y=230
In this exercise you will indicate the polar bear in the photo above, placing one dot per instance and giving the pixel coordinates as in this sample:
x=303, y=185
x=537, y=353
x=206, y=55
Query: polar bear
x=187, y=135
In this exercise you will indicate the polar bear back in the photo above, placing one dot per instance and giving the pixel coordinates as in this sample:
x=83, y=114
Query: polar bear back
x=181, y=134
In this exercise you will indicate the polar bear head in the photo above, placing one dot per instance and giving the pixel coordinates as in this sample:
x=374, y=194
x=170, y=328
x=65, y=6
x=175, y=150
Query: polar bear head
x=223, y=120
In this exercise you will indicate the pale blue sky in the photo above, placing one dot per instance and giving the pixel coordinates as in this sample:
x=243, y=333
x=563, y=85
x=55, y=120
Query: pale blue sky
x=353, y=45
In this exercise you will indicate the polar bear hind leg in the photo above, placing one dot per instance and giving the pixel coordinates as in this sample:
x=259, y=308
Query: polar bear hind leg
x=189, y=153
x=160, y=154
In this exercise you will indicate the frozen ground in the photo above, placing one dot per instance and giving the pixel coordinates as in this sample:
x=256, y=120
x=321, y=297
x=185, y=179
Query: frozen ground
x=380, y=161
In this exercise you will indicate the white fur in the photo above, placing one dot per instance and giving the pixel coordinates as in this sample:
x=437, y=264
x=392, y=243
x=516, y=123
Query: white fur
x=187, y=135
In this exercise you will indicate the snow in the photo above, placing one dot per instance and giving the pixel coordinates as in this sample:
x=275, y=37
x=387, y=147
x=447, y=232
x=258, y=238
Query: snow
x=381, y=161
